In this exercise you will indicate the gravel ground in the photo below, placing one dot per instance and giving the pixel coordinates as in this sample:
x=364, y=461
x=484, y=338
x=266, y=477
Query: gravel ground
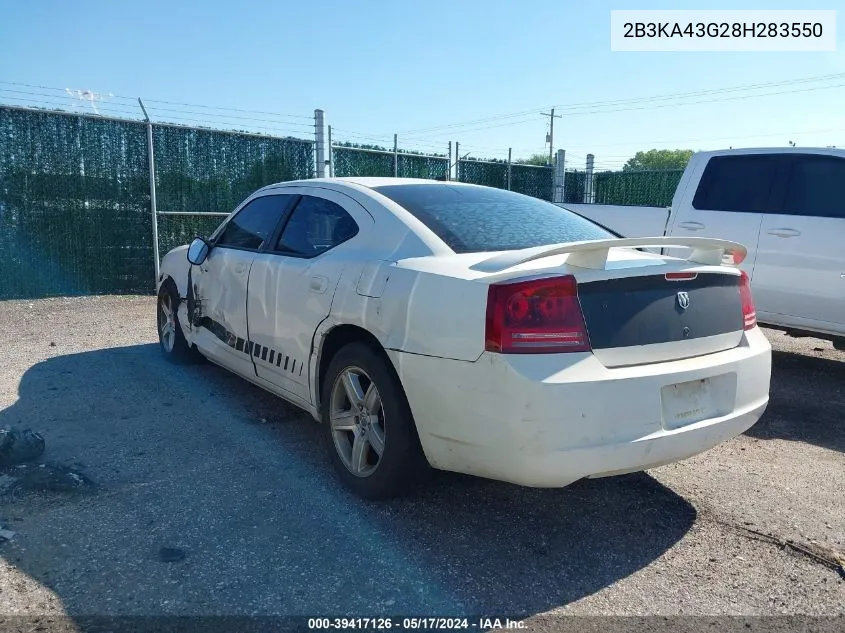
x=196, y=459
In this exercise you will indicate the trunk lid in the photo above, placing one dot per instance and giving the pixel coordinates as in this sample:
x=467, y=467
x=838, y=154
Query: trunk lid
x=642, y=307
x=651, y=318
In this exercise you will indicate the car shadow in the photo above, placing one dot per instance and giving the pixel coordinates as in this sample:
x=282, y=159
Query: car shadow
x=197, y=459
x=806, y=401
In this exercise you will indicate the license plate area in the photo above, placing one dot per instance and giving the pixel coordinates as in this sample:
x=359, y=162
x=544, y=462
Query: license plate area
x=689, y=402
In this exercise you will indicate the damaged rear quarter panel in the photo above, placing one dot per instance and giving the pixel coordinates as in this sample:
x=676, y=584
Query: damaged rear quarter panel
x=435, y=315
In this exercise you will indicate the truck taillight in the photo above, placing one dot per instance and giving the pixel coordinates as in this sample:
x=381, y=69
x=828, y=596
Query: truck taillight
x=536, y=316
x=749, y=314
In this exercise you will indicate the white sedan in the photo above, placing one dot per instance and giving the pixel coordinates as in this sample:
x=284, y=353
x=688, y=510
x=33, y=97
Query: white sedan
x=471, y=329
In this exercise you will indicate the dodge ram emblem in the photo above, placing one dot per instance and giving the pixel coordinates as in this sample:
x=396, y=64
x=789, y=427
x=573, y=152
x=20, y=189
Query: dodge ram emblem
x=683, y=300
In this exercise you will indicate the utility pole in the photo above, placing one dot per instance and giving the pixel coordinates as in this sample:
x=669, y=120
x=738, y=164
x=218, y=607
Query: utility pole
x=551, y=139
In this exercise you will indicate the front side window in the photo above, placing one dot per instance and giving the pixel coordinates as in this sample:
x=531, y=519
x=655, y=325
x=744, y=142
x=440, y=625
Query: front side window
x=481, y=219
x=315, y=226
x=253, y=224
x=816, y=186
x=737, y=183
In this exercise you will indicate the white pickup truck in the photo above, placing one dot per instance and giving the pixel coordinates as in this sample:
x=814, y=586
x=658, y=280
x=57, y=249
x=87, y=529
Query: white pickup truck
x=787, y=206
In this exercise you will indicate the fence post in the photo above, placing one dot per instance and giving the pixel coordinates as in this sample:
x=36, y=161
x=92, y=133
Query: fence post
x=560, y=176
x=510, y=156
x=320, y=143
x=457, y=161
x=449, y=164
x=395, y=155
x=588, y=179
x=153, y=206
x=331, y=157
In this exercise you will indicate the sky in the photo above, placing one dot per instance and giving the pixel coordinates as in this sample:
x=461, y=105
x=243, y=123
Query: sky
x=431, y=71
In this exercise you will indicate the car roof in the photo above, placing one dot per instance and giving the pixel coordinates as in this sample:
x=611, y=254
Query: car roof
x=368, y=182
x=832, y=151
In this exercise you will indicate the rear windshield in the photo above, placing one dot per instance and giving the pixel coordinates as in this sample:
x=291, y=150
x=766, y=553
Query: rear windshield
x=476, y=219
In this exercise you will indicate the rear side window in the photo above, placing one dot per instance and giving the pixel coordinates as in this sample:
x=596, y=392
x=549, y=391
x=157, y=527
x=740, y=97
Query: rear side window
x=737, y=183
x=478, y=219
x=315, y=226
x=253, y=224
x=816, y=186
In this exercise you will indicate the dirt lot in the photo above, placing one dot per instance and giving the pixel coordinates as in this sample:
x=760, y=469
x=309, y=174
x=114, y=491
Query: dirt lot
x=196, y=459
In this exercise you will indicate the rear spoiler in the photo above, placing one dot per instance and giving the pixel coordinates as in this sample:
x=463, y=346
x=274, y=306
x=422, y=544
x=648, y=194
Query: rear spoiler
x=593, y=254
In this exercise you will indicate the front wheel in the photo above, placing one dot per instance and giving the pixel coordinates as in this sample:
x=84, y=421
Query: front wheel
x=368, y=424
x=171, y=339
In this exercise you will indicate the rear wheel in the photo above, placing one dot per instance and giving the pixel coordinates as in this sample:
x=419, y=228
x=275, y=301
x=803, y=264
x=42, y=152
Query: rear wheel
x=368, y=424
x=171, y=340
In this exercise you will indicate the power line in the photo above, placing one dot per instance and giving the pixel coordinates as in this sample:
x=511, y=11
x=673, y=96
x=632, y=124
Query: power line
x=649, y=107
x=208, y=107
x=579, y=107
x=148, y=101
x=698, y=93
x=712, y=138
x=232, y=116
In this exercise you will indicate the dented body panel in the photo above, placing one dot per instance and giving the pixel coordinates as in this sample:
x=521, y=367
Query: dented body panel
x=542, y=420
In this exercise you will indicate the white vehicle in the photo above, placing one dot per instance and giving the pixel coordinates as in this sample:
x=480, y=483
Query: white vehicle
x=787, y=206
x=478, y=330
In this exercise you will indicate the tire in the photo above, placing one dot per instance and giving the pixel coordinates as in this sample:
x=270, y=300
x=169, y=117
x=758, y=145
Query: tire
x=171, y=339
x=378, y=418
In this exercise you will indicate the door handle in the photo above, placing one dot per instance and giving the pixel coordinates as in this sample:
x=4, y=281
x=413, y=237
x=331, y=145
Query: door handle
x=784, y=232
x=691, y=226
x=240, y=269
x=318, y=284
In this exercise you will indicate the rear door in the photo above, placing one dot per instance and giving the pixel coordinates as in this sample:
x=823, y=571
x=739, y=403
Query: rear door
x=219, y=284
x=292, y=284
x=733, y=193
x=799, y=279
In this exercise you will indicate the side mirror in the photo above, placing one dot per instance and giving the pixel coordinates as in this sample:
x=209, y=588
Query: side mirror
x=198, y=251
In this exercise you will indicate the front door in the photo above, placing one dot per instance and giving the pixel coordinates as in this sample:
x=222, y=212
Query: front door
x=293, y=282
x=219, y=284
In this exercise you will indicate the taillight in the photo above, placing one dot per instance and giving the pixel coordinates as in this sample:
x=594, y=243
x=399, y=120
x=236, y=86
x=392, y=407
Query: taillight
x=749, y=314
x=537, y=316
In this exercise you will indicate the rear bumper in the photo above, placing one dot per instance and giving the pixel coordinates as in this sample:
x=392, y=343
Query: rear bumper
x=549, y=420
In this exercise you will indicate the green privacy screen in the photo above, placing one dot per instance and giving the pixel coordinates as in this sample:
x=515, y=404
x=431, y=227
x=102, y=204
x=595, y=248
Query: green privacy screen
x=210, y=171
x=642, y=188
x=75, y=199
x=528, y=179
x=74, y=206
x=482, y=172
x=350, y=162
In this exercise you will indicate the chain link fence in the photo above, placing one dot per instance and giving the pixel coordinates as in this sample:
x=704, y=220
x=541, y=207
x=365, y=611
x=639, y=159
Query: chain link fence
x=204, y=171
x=75, y=206
x=574, y=186
x=75, y=199
x=422, y=166
x=352, y=162
x=533, y=180
x=482, y=172
x=635, y=188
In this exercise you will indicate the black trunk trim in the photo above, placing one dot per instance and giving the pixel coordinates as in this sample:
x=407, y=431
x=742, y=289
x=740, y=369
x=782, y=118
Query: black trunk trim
x=646, y=310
